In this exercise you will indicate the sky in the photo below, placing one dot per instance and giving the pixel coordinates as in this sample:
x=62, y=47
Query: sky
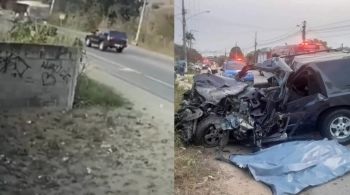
x=275, y=21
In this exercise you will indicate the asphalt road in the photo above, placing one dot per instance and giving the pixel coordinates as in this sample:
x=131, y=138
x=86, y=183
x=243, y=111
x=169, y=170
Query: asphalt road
x=146, y=72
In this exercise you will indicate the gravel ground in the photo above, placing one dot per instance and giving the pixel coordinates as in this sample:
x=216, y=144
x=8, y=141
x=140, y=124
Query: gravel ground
x=84, y=152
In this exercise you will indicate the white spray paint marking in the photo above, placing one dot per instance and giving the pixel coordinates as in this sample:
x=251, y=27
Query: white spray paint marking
x=124, y=67
x=129, y=70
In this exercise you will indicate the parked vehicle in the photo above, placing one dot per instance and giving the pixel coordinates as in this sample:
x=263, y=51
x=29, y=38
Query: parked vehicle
x=310, y=93
x=231, y=68
x=107, y=39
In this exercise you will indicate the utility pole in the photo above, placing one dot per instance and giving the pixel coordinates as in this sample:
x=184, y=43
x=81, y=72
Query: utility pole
x=304, y=30
x=225, y=52
x=184, y=33
x=51, y=7
x=140, y=22
x=342, y=46
x=190, y=50
x=255, y=45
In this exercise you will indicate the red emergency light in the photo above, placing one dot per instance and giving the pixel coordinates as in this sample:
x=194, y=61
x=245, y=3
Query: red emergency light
x=239, y=59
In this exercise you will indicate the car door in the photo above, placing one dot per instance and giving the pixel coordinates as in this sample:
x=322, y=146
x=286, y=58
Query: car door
x=308, y=101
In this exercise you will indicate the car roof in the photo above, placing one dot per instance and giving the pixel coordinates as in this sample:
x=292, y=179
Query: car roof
x=318, y=57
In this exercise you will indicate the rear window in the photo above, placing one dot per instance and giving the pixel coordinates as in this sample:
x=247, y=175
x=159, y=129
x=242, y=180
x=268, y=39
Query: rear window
x=230, y=65
x=337, y=71
x=117, y=34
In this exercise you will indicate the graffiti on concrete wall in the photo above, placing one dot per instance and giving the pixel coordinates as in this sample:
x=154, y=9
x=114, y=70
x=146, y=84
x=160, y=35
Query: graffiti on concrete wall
x=49, y=78
x=13, y=65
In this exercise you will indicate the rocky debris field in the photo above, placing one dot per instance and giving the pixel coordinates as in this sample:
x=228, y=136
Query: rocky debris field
x=85, y=151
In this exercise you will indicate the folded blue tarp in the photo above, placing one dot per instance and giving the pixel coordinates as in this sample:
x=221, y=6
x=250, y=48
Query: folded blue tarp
x=290, y=167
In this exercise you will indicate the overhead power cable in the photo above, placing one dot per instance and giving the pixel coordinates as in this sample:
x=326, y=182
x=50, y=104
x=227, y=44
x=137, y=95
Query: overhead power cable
x=330, y=24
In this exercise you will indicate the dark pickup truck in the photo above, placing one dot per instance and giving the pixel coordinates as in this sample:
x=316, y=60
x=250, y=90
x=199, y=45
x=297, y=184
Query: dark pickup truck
x=107, y=39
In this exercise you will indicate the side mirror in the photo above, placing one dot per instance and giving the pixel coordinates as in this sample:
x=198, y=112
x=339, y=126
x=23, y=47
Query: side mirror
x=221, y=69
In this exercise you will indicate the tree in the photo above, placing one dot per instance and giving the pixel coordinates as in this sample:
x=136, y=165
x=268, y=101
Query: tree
x=234, y=51
x=192, y=55
x=250, y=57
x=221, y=60
x=113, y=9
x=189, y=37
x=324, y=43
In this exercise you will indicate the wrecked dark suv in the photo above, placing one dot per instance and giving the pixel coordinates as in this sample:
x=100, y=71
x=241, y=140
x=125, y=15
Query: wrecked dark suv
x=303, y=93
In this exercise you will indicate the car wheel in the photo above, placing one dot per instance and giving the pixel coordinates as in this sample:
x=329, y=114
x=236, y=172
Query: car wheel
x=207, y=133
x=88, y=42
x=336, y=125
x=120, y=50
x=102, y=46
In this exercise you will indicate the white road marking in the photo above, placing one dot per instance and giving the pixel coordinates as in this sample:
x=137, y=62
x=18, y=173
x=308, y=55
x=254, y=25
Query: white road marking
x=130, y=70
x=127, y=68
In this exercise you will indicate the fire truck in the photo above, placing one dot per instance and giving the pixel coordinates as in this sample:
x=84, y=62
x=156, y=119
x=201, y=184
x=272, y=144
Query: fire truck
x=288, y=50
x=304, y=47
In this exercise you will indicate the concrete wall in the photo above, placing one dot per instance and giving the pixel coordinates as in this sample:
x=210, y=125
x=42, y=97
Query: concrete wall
x=37, y=76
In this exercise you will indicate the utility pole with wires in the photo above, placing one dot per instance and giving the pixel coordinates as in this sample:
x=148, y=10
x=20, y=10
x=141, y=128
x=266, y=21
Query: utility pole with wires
x=51, y=7
x=184, y=33
x=255, y=45
x=140, y=22
x=304, y=30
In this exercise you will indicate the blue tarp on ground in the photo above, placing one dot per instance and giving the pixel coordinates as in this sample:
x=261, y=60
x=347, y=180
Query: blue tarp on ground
x=290, y=167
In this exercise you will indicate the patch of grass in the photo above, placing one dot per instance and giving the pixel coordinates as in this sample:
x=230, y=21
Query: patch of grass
x=190, y=71
x=193, y=170
x=178, y=91
x=190, y=79
x=89, y=92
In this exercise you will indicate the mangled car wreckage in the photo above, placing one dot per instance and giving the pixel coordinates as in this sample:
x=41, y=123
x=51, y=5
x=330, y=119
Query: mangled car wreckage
x=300, y=95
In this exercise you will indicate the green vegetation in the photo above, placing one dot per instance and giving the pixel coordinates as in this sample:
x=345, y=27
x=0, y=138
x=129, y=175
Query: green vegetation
x=178, y=91
x=92, y=93
x=33, y=32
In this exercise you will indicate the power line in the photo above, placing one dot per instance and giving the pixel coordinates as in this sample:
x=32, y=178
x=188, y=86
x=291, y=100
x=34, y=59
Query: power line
x=331, y=28
x=282, y=39
x=244, y=25
x=280, y=36
x=330, y=31
x=331, y=23
x=335, y=35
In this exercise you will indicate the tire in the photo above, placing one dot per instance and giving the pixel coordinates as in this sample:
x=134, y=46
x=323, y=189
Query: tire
x=204, y=128
x=334, y=119
x=102, y=46
x=120, y=50
x=88, y=42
